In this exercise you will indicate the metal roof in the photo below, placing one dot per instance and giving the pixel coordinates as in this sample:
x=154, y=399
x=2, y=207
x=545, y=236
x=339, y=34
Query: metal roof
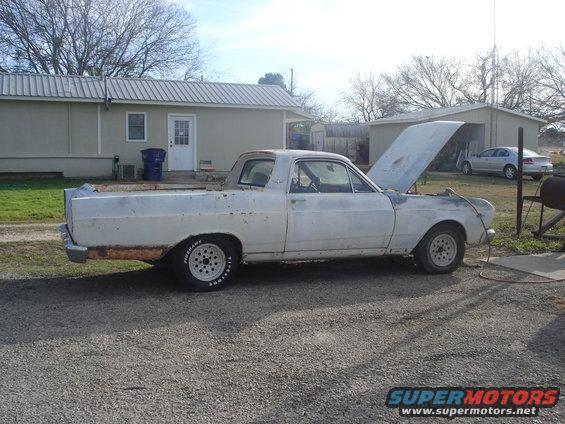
x=429, y=114
x=140, y=90
x=346, y=129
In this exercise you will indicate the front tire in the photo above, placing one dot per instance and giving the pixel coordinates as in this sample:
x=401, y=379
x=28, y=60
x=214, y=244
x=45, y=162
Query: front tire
x=441, y=251
x=205, y=263
x=510, y=172
x=466, y=168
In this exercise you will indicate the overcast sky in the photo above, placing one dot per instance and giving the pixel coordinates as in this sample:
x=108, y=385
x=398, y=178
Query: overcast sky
x=328, y=42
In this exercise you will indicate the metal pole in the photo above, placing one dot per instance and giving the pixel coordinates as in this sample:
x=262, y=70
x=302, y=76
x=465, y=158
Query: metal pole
x=519, y=198
x=292, y=81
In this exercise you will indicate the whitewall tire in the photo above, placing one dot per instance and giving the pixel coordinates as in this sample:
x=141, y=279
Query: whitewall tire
x=205, y=263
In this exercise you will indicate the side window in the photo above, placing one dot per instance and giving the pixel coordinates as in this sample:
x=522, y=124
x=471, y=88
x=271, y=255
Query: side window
x=487, y=153
x=256, y=172
x=359, y=186
x=502, y=153
x=320, y=177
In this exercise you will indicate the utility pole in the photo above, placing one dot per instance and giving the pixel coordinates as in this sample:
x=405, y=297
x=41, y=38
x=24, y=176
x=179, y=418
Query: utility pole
x=494, y=88
x=292, y=81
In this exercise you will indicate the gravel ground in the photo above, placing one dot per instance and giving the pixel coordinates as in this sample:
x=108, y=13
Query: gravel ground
x=29, y=232
x=313, y=342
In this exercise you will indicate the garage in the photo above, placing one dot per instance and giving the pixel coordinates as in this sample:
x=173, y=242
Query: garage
x=485, y=126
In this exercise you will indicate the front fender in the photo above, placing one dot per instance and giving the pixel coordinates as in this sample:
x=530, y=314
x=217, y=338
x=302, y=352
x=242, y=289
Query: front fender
x=417, y=214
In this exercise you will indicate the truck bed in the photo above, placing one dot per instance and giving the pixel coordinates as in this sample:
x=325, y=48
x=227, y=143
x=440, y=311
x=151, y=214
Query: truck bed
x=146, y=186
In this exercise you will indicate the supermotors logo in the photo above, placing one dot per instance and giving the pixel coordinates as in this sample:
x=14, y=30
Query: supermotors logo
x=452, y=402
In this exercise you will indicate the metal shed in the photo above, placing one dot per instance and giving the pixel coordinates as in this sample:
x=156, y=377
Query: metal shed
x=485, y=126
x=344, y=138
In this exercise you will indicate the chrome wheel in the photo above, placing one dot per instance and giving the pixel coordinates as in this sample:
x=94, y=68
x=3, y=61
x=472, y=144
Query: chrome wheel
x=443, y=250
x=467, y=168
x=510, y=172
x=207, y=262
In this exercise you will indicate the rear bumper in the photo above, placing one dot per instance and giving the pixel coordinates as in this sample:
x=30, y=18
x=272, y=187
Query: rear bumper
x=75, y=253
x=537, y=169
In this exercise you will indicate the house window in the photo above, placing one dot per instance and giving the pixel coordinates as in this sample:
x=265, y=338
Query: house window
x=136, y=126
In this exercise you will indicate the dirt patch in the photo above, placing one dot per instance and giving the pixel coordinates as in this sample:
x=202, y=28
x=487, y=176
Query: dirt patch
x=28, y=232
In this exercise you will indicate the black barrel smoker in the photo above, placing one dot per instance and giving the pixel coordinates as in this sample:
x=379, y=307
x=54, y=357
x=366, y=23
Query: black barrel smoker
x=551, y=195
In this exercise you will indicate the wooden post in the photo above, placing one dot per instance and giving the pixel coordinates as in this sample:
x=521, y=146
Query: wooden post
x=519, y=198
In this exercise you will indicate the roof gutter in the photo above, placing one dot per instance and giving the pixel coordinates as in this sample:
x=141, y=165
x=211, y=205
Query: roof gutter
x=294, y=109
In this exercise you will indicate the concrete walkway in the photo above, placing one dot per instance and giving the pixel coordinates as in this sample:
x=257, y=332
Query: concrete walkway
x=548, y=265
x=29, y=232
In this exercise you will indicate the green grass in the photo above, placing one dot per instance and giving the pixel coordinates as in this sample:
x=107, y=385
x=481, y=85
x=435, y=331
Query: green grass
x=48, y=259
x=37, y=200
x=502, y=194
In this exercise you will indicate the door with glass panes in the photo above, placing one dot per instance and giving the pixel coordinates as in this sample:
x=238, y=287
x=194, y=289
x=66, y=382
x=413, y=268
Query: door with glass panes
x=182, y=143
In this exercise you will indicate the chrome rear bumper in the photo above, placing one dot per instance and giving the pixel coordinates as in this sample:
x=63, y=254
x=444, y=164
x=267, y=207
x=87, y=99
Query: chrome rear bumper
x=75, y=253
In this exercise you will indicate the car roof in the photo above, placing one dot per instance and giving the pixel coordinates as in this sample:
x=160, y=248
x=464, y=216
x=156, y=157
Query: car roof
x=296, y=154
x=514, y=149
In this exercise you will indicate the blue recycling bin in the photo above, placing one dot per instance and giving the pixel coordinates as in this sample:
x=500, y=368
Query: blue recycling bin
x=153, y=164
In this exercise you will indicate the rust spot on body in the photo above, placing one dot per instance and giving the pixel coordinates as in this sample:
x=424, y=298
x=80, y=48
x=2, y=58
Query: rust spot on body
x=142, y=253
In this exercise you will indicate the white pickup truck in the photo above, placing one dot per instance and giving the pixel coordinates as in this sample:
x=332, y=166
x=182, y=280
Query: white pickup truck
x=280, y=205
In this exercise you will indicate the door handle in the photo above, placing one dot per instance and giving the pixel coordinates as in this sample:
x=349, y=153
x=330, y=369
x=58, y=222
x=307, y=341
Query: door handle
x=297, y=200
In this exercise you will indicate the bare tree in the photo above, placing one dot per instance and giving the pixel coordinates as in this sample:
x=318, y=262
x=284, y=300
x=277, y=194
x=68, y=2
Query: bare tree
x=369, y=97
x=425, y=82
x=551, y=97
x=533, y=83
x=131, y=38
x=478, y=80
x=519, y=79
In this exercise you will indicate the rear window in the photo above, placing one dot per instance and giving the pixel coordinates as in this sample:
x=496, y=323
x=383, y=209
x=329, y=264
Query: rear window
x=256, y=172
x=527, y=152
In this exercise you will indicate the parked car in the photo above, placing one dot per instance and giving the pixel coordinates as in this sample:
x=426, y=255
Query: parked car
x=504, y=160
x=276, y=205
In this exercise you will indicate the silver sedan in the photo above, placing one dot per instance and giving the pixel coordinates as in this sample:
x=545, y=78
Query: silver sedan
x=504, y=160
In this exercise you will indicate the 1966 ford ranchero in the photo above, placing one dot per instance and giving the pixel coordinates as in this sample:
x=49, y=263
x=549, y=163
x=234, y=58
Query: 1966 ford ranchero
x=279, y=205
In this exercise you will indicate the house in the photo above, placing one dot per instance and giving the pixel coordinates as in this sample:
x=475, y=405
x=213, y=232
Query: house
x=348, y=139
x=77, y=125
x=486, y=126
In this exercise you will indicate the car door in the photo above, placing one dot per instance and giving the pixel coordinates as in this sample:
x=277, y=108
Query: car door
x=482, y=161
x=499, y=160
x=331, y=207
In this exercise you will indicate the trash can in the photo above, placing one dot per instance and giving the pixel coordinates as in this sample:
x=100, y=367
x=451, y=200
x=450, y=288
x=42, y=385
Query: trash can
x=153, y=164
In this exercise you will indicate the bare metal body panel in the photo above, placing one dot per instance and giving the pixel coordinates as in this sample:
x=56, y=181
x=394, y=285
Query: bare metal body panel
x=411, y=153
x=270, y=223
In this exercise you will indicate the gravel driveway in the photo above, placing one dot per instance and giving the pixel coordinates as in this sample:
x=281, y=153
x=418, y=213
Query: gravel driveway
x=289, y=343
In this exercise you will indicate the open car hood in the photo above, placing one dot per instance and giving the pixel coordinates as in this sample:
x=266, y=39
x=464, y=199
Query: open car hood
x=410, y=154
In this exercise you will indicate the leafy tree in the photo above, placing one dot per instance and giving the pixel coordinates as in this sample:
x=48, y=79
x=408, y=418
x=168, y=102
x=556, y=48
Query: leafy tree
x=273, y=79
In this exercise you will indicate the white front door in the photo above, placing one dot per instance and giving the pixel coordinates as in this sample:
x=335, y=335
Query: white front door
x=332, y=208
x=182, y=143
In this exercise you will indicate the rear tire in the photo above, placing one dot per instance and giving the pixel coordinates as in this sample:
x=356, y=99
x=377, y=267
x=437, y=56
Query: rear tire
x=537, y=177
x=510, y=172
x=441, y=251
x=205, y=263
x=466, y=168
